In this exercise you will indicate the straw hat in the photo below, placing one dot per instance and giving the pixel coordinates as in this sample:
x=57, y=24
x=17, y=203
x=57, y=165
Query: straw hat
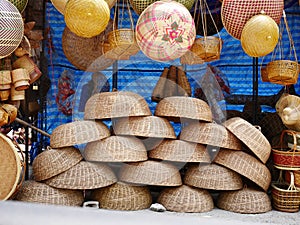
x=210, y=134
x=84, y=175
x=213, y=176
x=246, y=200
x=106, y=105
x=33, y=191
x=150, y=173
x=180, y=151
x=252, y=137
x=186, y=199
x=177, y=107
x=78, y=132
x=116, y=149
x=52, y=162
x=122, y=196
x=245, y=165
x=145, y=126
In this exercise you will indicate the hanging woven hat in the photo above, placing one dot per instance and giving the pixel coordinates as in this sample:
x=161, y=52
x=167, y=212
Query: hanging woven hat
x=78, y=132
x=212, y=176
x=106, y=105
x=84, y=175
x=33, y=191
x=250, y=136
x=150, y=173
x=52, y=162
x=186, y=199
x=180, y=151
x=116, y=149
x=210, y=134
x=246, y=165
x=246, y=200
x=122, y=196
x=177, y=107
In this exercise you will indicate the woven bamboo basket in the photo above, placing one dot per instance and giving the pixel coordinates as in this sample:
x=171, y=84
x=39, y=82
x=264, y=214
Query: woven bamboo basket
x=122, y=196
x=4, y=95
x=5, y=79
x=4, y=118
x=33, y=191
x=20, y=79
x=246, y=200
x=11, y=110
x=16, y=95
x=287, y=100
x=296, y=174
x=186, y=199
x=140, y=5
x=20, y=4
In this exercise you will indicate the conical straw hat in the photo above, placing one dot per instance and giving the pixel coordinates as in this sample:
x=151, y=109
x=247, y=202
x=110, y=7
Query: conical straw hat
x=84, y=175
x=250, y=136
x=245, y=165
x=106, y=105
x=213, y=176
x=210, y=134
x=150, y=173
x=146, y=126
x=52, y=162
x=33, y=191
x=116, y=149
x=177, y=107
x=180, y=151
x=122, y=196
x=246, y=200
x=78, y=132
x=186, y=199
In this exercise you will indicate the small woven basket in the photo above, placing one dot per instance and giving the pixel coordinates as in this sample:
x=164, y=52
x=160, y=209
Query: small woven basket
x=5, y=80
x=140, y=5
x=20, y=4
x=20, y=79
x=283, y=72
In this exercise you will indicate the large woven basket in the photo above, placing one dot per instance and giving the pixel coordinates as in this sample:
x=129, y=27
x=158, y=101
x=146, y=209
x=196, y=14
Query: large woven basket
x=186, y=199
x=122, y=196
x=213, y=176
x=33, y=191
x=246, y=200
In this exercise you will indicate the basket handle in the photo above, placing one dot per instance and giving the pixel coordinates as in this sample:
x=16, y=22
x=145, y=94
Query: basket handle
x=292, y=186
x=293, y=133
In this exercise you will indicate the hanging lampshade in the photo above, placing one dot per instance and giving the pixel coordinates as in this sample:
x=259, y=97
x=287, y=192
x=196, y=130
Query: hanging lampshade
x=20, y=4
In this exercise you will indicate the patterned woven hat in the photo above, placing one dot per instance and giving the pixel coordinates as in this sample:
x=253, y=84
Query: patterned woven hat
x=250, y=136
x=246, y=200
x=177, y=107
x=33, y=191
x=213, y=176
x=211, y=134
x=186, y=199
x=106, y=105
x=180, y=151
x=52, y=162
x=78, y=132
x=150, y=173
x=122, y=196
x=116, y=149
x=84, y=175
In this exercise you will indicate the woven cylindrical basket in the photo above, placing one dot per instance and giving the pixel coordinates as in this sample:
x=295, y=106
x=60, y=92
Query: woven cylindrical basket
x=106, y=105
x=33, y=191
x=150, y=172
x=246, y=200
x=52, y=162
x=186, y=199
x=212, y=176
x=16, y=95
x=5, y=80
x=20, y=79
x=84, y=175
x=122, y=196
x=4, y=95
x=78, y=132
x=116, y=149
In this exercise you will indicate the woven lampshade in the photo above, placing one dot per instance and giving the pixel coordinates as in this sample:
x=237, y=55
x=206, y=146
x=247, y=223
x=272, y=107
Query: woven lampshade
x=250, y=136
x=122, y=196
x=84, y=175
x=33, y=191
x=116, y=149
x=246, y=165
x=78, y=132
x=210, y=134
x=246, y=200
x=176, y=107
x=106, y=105
x=150, y=172
x=52, y=162
x=186, y=199
x=180, y=151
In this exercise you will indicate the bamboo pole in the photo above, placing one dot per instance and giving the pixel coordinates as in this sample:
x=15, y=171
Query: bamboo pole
x=31, y=126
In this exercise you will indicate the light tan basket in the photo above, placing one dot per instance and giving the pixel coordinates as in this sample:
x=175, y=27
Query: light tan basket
x=20, y=79
x=5, y=80
x=4, y=95
x=16, y=95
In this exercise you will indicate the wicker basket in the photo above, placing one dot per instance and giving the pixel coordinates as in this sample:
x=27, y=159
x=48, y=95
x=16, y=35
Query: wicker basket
x=283, y=72
x=4, y=95
x=20, y=4
x=20, y=79
x=16, y=95
x=5, y=80
x=140, y=5
x=11, y=110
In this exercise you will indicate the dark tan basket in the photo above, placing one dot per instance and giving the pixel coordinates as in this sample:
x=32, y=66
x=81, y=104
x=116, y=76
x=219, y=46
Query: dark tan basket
x=139, y=5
